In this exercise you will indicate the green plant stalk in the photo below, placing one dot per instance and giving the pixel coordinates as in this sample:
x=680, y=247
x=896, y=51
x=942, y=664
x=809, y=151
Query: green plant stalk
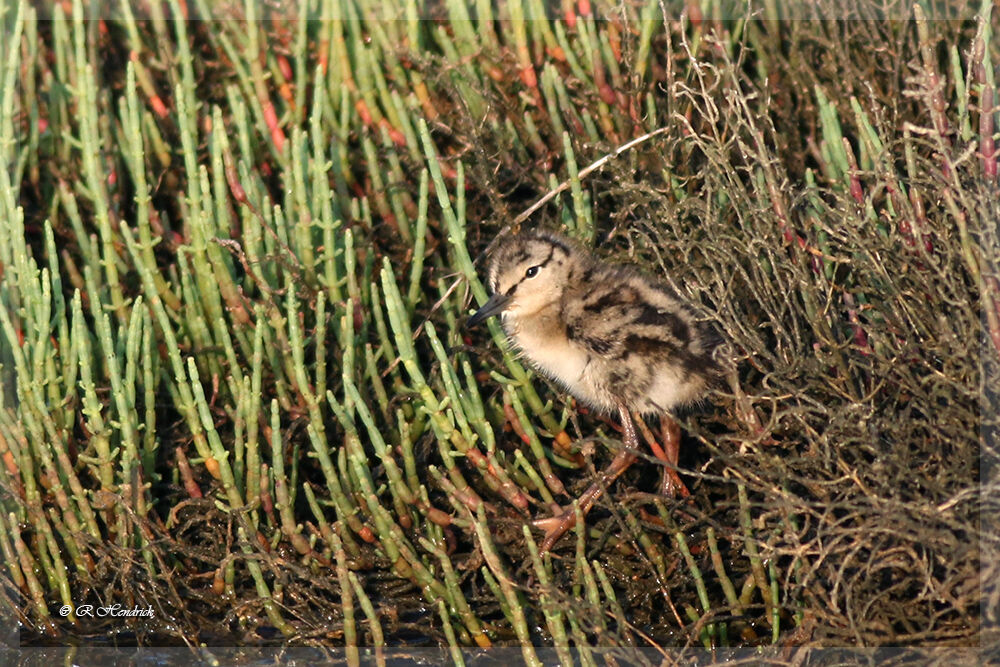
x=775, y=606
x=253, y=402
x=518, y=149
x=59, y=100
x=548, y=86
x=581, y=643
x=463, y=76
x=187, y=126
x=28, y=568
x=874, y=147
x=136, y=160
x=536, y=480
x=651, y=550
x=378, y=637
x=185, y=403
x=319, y=378
x=91, y=408
x=263, y=106
x=551, y=609
x=83, y=241
x=388, y=352
x=699, y=581
x=472, y=405
x=406, y=440
x=132, y=339
x=64, y=353
x=456, y=233
x=450, y=301
x=297, y=344
x=347, y=604
x=374, y=378
x=399, y=199
x=398, y=488
x=506, y=587
x=13, y=446
x=331, y=249
x=581, y=228
x=449, y=634
x=649, y=21
x=387, y=37
x=126, y=410
x=218, y=451
x=9, y=556
x=584, y=573
x=222, y=263
x=270, y=608
x=519, y=37
x=404, y=112
x=692, y=615
x=288, y=526
x=57, y=568
x=444, y=429
x=961, y=95
x=33, y=403
x=756, y=565
x=720, y=571
x=91, y=152
x=348, y=338
x=382, y=205
x=568, y=109
x=346, y=509
x=611, y=63
x=402, y=554
x=413, y=295
x=609, y=595
x=534, y=137
x=352, y=447
x=836, y=166
x=7, y=101
x=498, y=595
x=302, y=231
x=45, y=565
x=195, y=322
x=451, y=385
x=457, y=604
x=553, y=482
x=571, y=57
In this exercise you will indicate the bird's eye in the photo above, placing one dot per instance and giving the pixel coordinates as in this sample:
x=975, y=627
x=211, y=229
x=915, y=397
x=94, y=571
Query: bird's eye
x=532, y=272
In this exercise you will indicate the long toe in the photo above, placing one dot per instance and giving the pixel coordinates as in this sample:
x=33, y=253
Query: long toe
x=671, y=485
x=554, y=527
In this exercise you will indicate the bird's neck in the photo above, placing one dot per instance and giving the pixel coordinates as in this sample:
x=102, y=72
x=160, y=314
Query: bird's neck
x=542, y=326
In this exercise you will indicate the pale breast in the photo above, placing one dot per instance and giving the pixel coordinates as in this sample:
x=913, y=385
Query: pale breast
x=553, y=354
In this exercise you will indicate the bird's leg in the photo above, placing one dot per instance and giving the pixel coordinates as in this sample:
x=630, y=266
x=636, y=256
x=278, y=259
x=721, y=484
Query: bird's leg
x=556, y=526
x=671, y=484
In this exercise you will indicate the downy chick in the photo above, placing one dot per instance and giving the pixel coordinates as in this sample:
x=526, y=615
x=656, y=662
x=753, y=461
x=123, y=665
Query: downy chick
x=616, y=339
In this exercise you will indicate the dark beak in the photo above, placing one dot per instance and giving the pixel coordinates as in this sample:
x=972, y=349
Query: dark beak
x=490, y=308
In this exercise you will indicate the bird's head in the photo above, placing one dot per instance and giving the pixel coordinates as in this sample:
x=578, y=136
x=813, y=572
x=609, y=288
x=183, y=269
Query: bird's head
x=527, y=273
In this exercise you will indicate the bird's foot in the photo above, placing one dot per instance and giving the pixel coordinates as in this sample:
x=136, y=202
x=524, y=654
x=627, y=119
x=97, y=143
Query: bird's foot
x=556, y=526
x=671, y=485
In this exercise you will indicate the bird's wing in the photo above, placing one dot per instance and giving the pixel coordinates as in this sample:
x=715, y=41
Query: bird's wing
x=624, y=315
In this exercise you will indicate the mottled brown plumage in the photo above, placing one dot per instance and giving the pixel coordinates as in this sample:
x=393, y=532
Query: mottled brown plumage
x=614, y=338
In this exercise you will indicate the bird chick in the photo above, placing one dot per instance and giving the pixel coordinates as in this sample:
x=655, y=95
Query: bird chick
x=614, y=338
